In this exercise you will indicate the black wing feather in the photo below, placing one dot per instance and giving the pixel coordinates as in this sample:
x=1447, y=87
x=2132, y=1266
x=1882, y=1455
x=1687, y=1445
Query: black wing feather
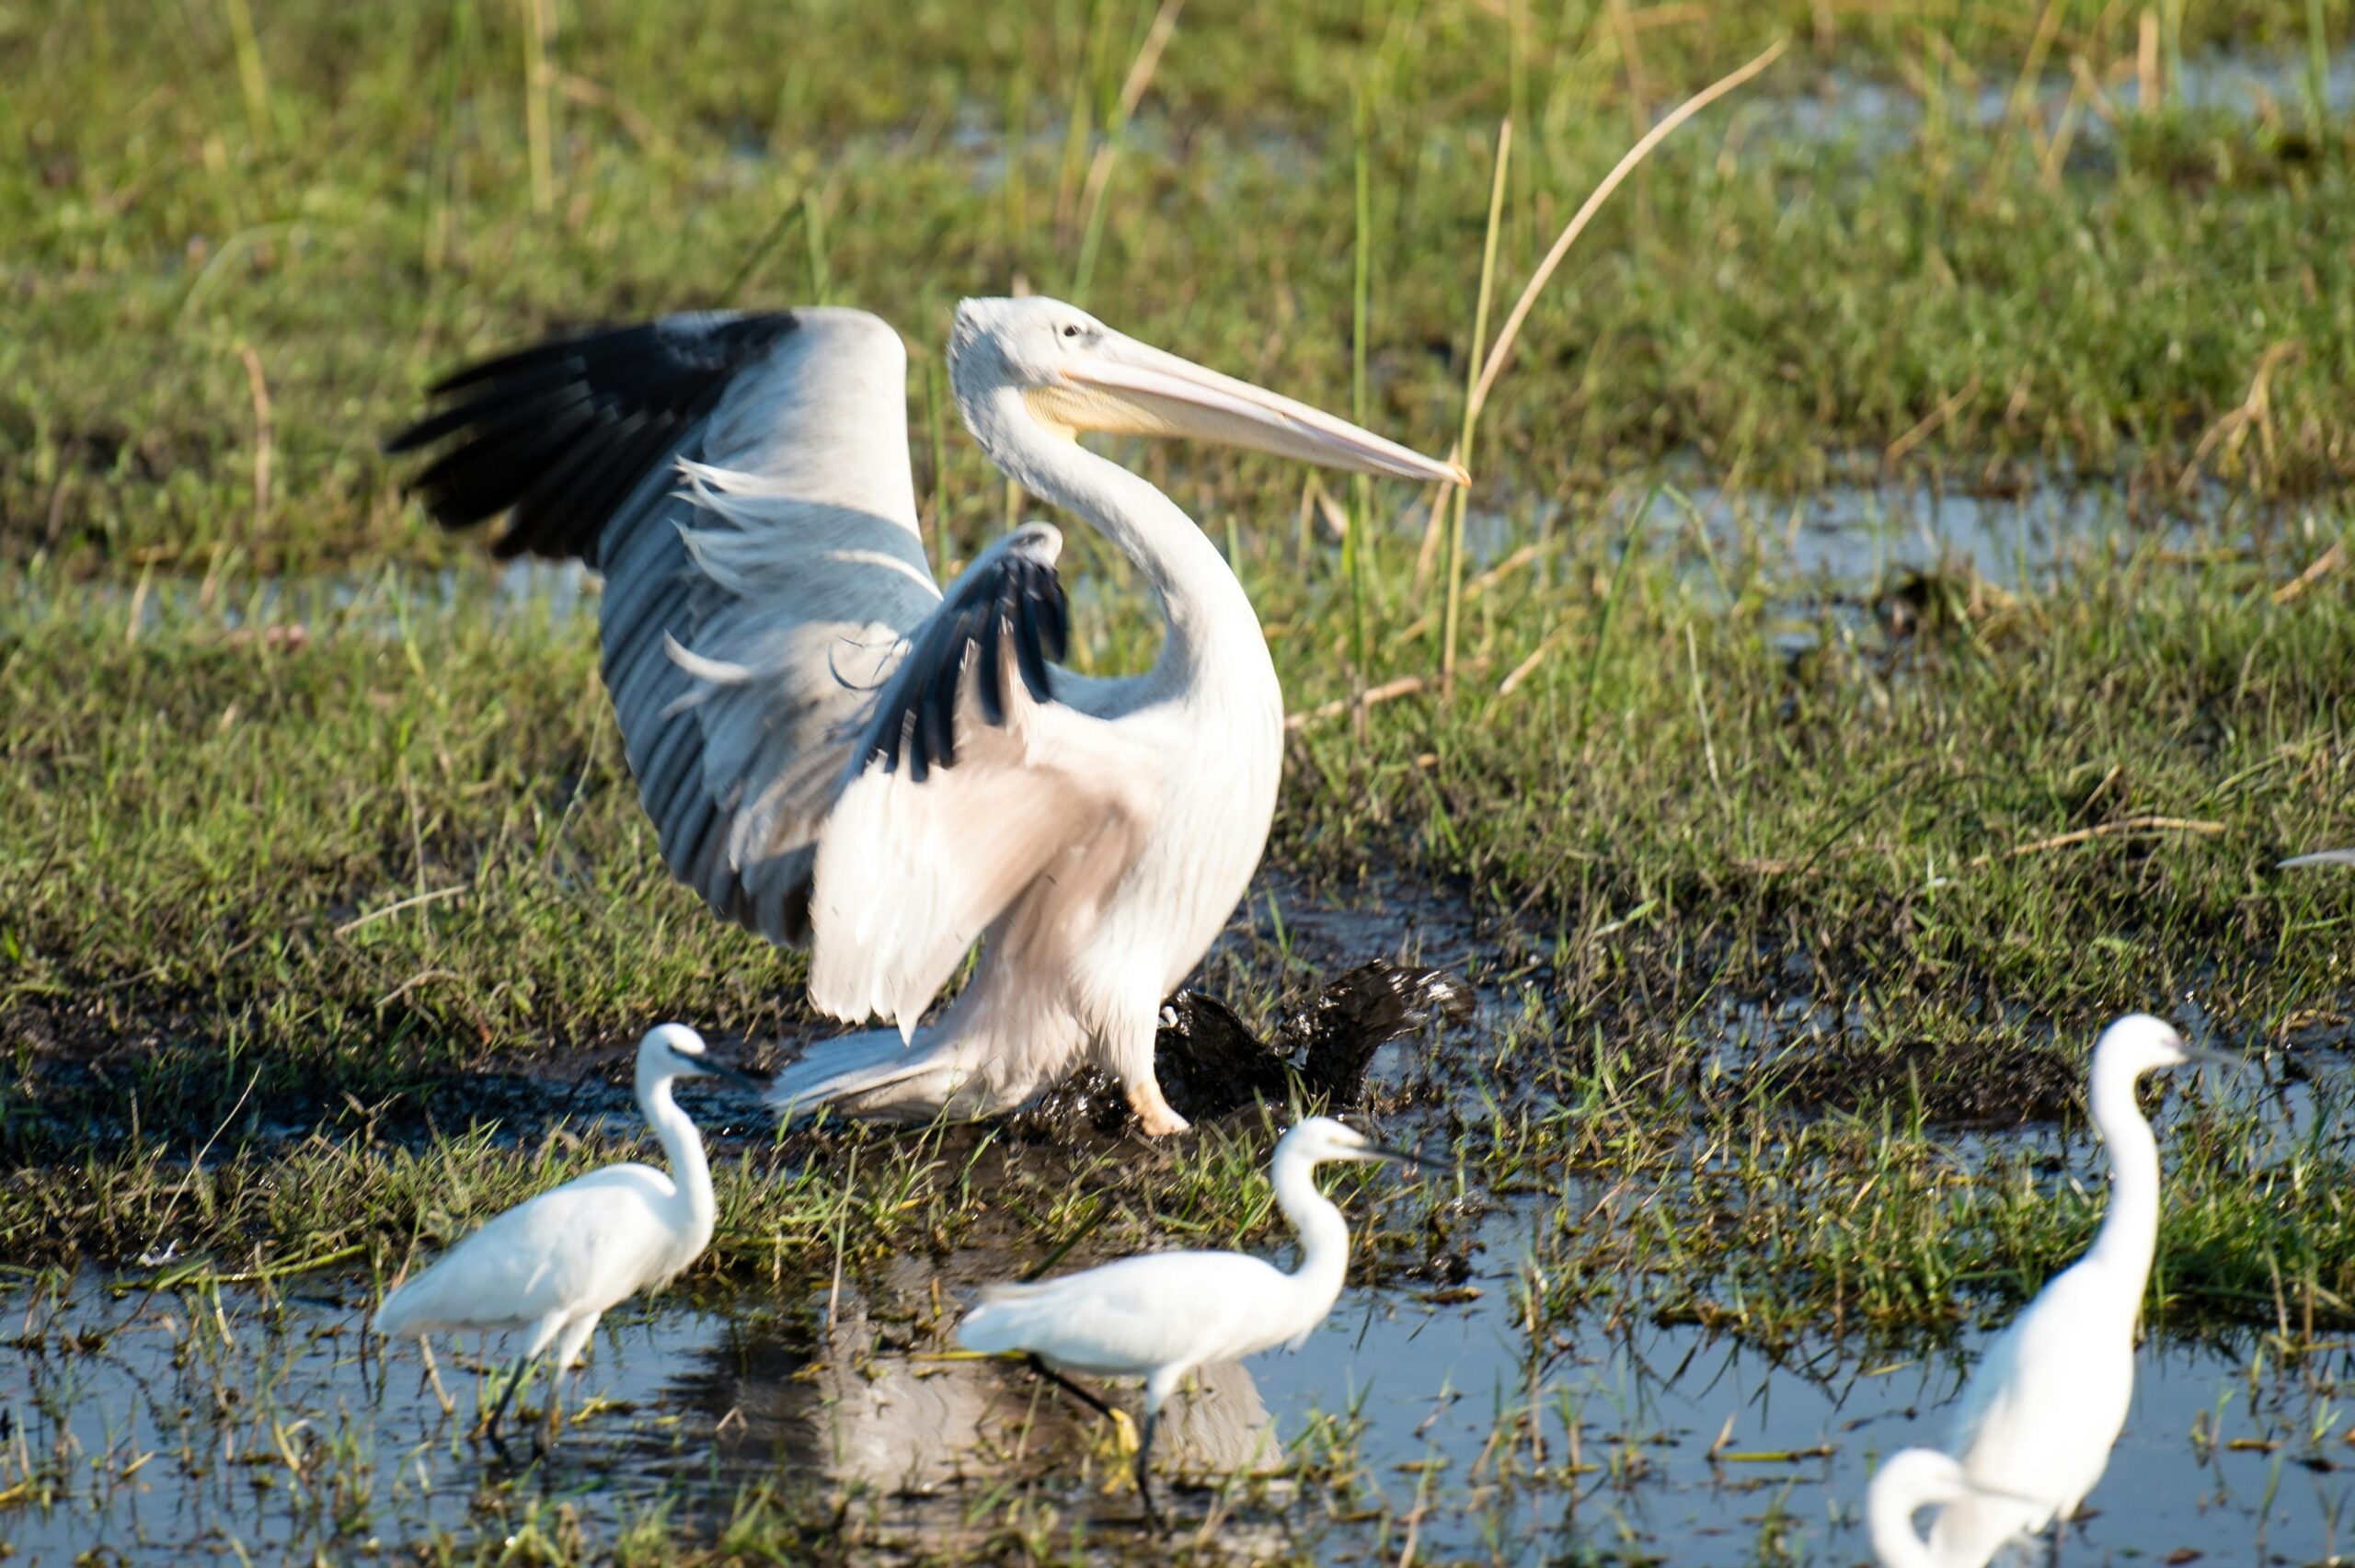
x=562, y=432
x=1015, y=598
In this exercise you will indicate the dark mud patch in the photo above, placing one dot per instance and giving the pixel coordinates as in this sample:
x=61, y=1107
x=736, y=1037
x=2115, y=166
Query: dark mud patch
x=1212, y=1064
x=1951, y=1084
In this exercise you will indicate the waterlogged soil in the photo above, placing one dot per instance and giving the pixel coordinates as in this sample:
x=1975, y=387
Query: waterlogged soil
x=205, y=1420
x=212, y=1419
x=198, y=1422
x=2016, y=531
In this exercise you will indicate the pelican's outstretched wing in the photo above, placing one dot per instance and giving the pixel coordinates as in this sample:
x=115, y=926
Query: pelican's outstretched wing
x=975, y=795
x=741, y=480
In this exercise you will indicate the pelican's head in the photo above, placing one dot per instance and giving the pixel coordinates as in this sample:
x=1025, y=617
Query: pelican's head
x=1075, y=375
x=2139, y=1043
x=674, y=1050
x=1320, y=1138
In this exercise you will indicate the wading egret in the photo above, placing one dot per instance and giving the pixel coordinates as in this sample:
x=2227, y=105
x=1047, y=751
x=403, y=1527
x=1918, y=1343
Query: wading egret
x=553, y=1265
x=1908, y=1481
x=836, y=755
x=2040, y=1414
x=1160, y=1316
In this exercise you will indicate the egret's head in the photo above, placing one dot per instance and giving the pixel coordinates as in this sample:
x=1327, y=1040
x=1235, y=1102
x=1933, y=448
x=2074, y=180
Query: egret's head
x=1075, y=375
x=2139, y=1043
x=1320, y=1138
x=1915, y=1479
x=674, y=1050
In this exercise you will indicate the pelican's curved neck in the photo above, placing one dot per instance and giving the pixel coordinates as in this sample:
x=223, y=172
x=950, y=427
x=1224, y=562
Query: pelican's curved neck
x=1324, y=1237
x=690, y=1173
x=2129, y=1230
x=1205, y=605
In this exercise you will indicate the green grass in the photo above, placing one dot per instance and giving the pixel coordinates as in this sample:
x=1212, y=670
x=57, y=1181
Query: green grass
x=278, y=912
x=1777, y=306
x=224, y=833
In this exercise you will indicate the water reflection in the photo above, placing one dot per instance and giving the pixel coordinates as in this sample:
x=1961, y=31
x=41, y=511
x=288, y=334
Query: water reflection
x=856, y=1406
x=1642, y=1438
x=260, y=1424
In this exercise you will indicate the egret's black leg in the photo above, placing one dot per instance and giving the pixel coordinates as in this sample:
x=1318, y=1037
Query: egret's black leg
x=551, y=1428
x=2060, y=1531
x=1091, y=1400
x=1144, y=1472
x=498, y=1411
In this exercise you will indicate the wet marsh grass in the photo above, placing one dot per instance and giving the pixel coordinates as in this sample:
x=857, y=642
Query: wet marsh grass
x=223, y=306
x=360, y=864
x=317, y=946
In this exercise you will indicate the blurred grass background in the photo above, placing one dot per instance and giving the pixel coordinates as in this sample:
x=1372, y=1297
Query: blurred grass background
x=2069, y=236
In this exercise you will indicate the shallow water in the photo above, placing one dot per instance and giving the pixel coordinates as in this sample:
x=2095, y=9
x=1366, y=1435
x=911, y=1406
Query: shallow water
x=1878, y=116
x=169, y=1426
x=1842, y=109
x=1838, y=541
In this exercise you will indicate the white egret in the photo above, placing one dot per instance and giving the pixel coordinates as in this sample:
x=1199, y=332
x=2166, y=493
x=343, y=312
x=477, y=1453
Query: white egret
x=553, y=1265
x=2036, y=1422
x=1161, y=1315
x=838, y=756
x=1908, y=1481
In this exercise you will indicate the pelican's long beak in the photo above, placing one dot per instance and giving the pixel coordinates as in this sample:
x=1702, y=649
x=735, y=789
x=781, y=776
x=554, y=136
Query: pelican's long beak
x=1120, y=386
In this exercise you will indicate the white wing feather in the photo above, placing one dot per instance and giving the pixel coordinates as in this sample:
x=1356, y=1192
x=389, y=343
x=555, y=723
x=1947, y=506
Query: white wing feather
x=585, y=1245
x=1126, y=1318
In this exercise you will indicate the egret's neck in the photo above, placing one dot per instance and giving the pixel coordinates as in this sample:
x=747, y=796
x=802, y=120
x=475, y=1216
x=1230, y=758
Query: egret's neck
x=690, y=1173
x=1210, y=620
x=1324, y=1237
x=2130, y=1231
x=1890, y=1521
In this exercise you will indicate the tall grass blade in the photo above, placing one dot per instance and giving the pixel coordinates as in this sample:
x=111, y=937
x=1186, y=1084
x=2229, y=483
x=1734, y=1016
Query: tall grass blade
x=1627, y=543
x=539, y=26
x=1506, y=337
x=251, y=83
x=1359, y=540
x=1471, y=408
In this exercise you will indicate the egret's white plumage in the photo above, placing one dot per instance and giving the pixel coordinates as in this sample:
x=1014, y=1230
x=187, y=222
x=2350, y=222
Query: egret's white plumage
x=1908, y=1481
x=554, y=1265
x=2323, y=857
x=1160, y=1316
x=832, y=754
x=2036, y=1423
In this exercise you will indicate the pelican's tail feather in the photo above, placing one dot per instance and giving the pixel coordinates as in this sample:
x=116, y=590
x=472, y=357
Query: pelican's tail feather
x=878, y=1076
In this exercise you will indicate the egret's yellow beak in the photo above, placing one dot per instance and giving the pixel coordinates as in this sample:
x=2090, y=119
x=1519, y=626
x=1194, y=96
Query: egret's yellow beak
x=1120, y=386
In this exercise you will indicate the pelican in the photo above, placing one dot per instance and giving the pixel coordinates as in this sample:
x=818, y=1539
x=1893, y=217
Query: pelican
x=836, y=755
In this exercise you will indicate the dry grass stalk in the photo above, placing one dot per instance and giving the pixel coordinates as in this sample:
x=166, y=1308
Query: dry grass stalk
x=1501, y=351
x=2104, y=830
x=264, y=433
x=2329, y=561
x=1929, y=424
